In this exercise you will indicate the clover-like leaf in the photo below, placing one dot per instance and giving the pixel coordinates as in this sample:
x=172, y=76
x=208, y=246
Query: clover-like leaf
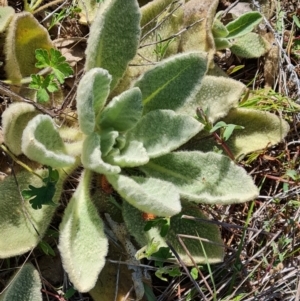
x=21, y=225
x=56, y=61
x=203, y=177
x=42, y=143
x=123, y=111
x=39, y=196
x=162, y=131
x=261, y=129
x=43, y=85
x=92, y=92
x=171, y=82
x=25, y=285
x=82, y=241
x=150, y=195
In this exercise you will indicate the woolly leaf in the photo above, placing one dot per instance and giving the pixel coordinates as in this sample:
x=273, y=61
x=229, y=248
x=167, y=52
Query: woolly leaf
x=222, y=43
x=6, y=14
x=14, y=120
x=216, y=96
x=92, y=92
x=199, y=16
x=82, y=241
x=170, y=83
x=162, y=131
x=24, y=36
x=219, y=30
x=108, y=141
x=133, y=154
x=147, y=194
x=18, y=220
x=88, y=11
x=25, y=285
x=197, y=229
x=91, y=156
x=251, y=45
x=123, y=111
x=204, y=177
x=114, y=37
x=42, y=143
x=243, y=24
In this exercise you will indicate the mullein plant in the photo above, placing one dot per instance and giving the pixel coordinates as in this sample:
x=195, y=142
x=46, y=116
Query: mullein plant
x=140, y=128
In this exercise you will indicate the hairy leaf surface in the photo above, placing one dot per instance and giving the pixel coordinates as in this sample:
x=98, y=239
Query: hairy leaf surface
x=204, y=177
x=147, y=194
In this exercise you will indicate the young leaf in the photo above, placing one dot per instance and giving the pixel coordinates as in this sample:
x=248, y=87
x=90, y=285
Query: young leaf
x=91, y=156
x=229, y=130
x=243, y=25
x=92, y=92
x=42, y=84
x=39, y=196
x=123, y=112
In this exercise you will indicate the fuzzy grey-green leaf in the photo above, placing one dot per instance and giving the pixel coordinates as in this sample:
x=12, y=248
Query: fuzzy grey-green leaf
x=251, y=45
x=91, y=156
x=261, y=129
x=147, y=194
x=82, y=241
x=162, y=131
x=92, y=92
x=204, y=177
x=114, y=37
x=216, y=96
x=42, y=143
x=18, y=230
x=173, y=81
x=123, y=111
x=14, y=120
x=26, y=285
x=243, y=25
x=132, y=155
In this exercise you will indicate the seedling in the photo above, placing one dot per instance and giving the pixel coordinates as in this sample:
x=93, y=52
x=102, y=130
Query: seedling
x=54, y=62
